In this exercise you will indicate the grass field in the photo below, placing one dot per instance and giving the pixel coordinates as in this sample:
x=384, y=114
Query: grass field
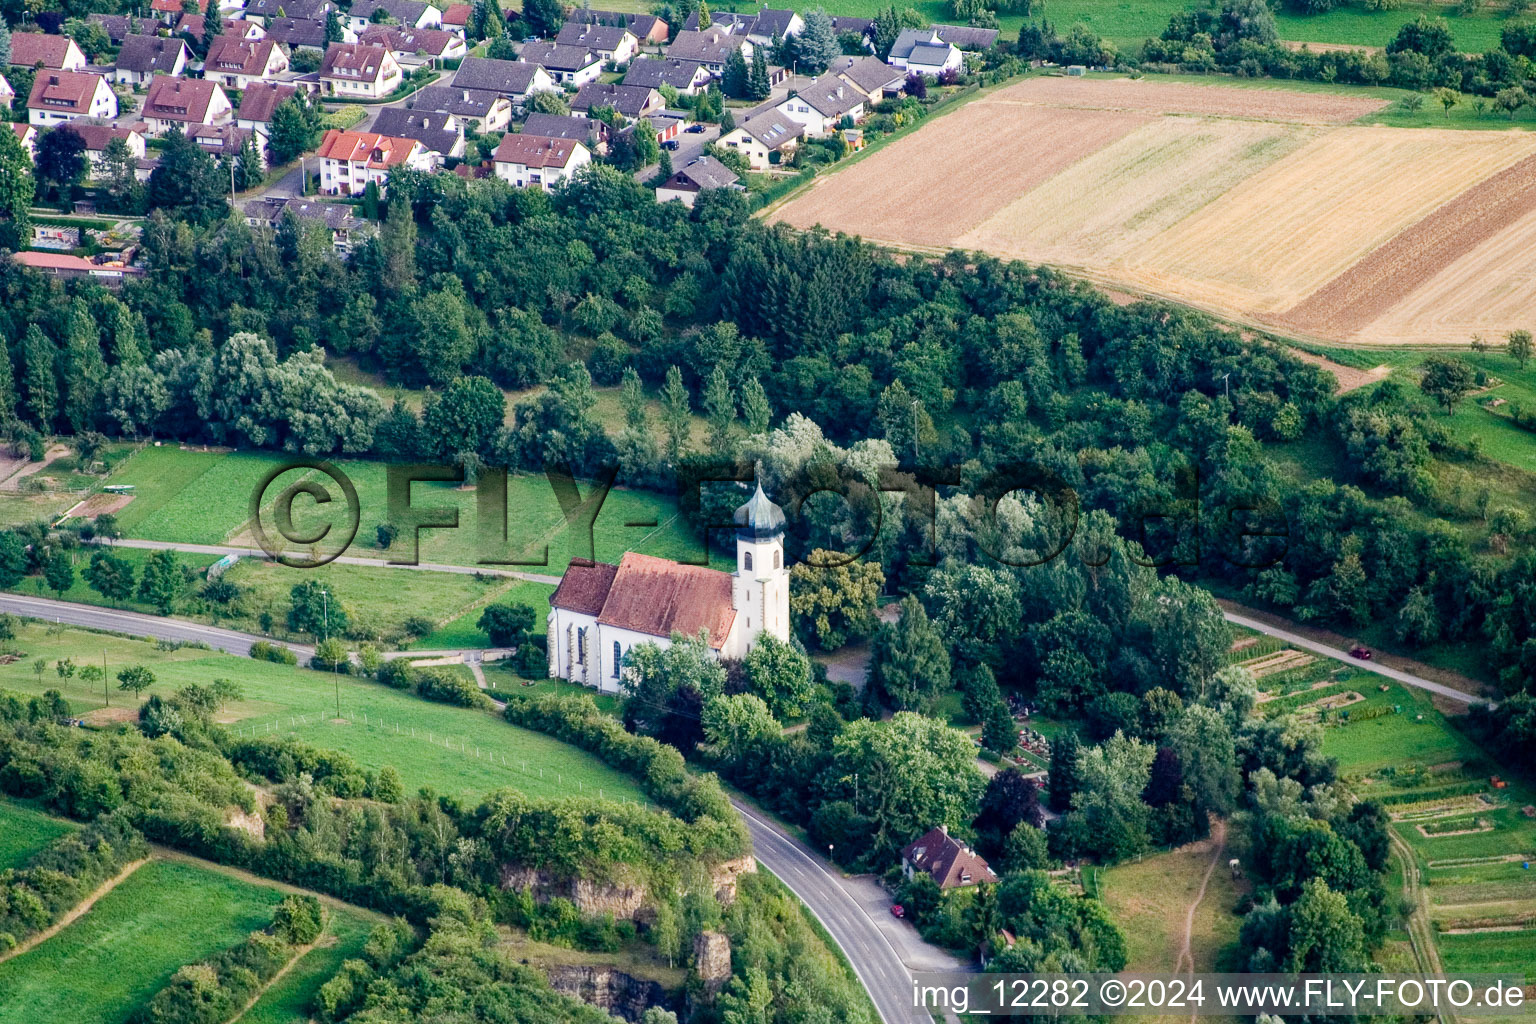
x=1150, y=901
x=435, y=744
x=97, y=970
x=289, y=999
x=1257, y=202
x=464, y=631
x=24, y=831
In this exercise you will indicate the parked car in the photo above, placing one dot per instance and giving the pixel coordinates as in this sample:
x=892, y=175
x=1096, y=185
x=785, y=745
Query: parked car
x=897, y=910
x=1363, y=653
x=670, y=144
x=694, y=129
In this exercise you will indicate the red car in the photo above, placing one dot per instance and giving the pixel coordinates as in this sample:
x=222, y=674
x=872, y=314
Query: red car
x=897, y=910
x=1363, y=653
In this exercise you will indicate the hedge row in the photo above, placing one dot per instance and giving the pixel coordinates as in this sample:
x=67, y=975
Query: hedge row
x=63, y=874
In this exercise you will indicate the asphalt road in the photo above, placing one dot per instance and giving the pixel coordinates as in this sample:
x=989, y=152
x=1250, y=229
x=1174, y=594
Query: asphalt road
x=137, y=624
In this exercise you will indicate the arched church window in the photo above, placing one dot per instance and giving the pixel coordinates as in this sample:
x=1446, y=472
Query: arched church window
x=775, y=558
x=616, y=656
x=747, y=561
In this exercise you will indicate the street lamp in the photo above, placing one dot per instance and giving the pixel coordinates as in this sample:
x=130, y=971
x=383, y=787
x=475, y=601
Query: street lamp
x=829, y=851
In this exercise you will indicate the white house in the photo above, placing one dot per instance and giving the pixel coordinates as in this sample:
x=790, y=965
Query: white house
x=600, y=611
x=359, y=71
x=409, y=43
x=61, y=96
x=237, y=62
x=98, y=136
x=822, y=105
x=184, y=102
x=610, y=42
x=514, y=79
x=538, y=160
x=923, y=52
x=56, y=53
x=764, y=140
x=143, y=57
x=569, y=65
x=350, y=160
x=408, y=13
x=703, y=172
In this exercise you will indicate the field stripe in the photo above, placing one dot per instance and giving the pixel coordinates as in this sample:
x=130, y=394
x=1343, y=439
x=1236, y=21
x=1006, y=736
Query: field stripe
x=75, y=913
x=1388, y=274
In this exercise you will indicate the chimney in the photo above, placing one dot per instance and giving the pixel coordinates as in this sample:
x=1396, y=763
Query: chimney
x=944, y=829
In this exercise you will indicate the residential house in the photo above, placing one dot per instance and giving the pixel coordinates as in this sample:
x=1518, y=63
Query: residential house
x=350, y=160
x=196, y=27
x=599, y=612
x=946, y=860
x=590, y=133
x=360, y=71
x=56, y=53
x=301, y=10
x=340, y=218
x=920, y=51
x=610, y=42
x=863, y=28
x=488, y=110
x=406, y=13
x=872, y=76
x=456, y=18
x=647, y=28
x=98, y=136
x=170, y=11
x=632, y=101
x=700, y=173
x=103, y=269
x=822, y=105
x=761, y=28
x=966, y=37
x=514, y=79
x=58, y=97
x=299, y=33
x=120, y=26
x=711, y=47
x=538, y=161
x=669, y=124
x=765, y=140
x=226, y=141
x=688, y=77
x=238, y=63
x=27, y=136
x=568, y=65
x=143, y=57
x=437, y=131
x=257, y=103
x=184, y=102
x=415, y=43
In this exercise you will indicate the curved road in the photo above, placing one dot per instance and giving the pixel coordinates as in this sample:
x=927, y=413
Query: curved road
x=865, y=938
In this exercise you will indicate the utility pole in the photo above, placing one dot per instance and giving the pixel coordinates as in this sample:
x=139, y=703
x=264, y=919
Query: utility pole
x=106, y=694
x=325, y=626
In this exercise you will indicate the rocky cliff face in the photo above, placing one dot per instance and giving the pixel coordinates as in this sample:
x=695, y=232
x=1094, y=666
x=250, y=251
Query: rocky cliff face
x=625, y=900
x=609, y=989
x=712, y=962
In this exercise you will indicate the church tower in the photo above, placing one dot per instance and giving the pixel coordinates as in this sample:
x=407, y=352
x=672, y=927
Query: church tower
x=760, y=585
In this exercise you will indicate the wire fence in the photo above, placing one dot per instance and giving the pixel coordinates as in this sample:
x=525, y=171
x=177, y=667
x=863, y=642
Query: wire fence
x=454, y=745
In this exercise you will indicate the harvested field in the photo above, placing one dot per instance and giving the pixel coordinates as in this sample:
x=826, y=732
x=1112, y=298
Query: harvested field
x=1291, y=228
x=1392, y=272
x=1118, y=199
x=914, y=210
x=100, y=505
x=1280, y=661
x=1348, y=377
x=1187, y=98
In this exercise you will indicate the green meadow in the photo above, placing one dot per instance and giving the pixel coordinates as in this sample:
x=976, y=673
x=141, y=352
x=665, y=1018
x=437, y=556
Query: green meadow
x=24, y=831
x=290, y=997
x=457, y=751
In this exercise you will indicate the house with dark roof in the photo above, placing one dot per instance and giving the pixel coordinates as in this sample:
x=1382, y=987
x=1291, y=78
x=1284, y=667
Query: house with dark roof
x=711, y=47
x=514, y=79
x=490, y=111
x=590, y=133
x=225, y=140
x=610, y=42
x=946, y=860
x=765, y=140
x=184, y=102
x=872, y=76
x=340, y=219
x=415, y=44
x=863, y=28
x=688, y=77
x=406, y=13
x=302, y=10
x=538, y=161
x=141, y=58
x=599, y=612
x=761, y=28
x=632, y=101
x=645, y=27
x=568, y=65
x=298, y=33
x=237, y=63
x=700, y=173
x=437, y=131
x=822, y=105
x=920, y=51
x=359, y=71
x=120, y=26
x=258, y=102
x=58, y=97
x=966, y=37
x=56, y=53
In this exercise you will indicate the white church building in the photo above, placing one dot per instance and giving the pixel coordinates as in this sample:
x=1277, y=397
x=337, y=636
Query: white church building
x=600, y=611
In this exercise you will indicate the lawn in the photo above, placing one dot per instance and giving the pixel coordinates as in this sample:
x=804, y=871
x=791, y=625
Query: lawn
x=100, y=968
x=24, y=831
x=289, y=999
x=430, y=744
x=1353, y=25
x=464, y=631
x=1364, y=746
x=1150, y=902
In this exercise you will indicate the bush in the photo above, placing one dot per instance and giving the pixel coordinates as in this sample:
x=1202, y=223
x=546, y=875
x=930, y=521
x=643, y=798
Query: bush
x=263, y=651
x=449, y=688
x=398, y=674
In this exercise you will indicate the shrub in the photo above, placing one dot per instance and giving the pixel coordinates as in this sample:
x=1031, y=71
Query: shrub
x=261, y=650
x=436, y=684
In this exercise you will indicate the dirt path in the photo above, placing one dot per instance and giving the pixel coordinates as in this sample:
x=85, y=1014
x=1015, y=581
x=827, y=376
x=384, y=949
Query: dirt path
x=1420, y=935
x=75, y=914
x=1219, y=842
x=299, y=954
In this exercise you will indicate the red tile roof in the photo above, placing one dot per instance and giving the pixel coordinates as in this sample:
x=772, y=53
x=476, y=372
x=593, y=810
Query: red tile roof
x=63, y=90
x=457, y=14
x=236, y=55
x=947, y=861
x=174, y=6
x=584, y=587
x=28, y=49
x=535, y=150
x=660, y=597
x=358, y=147
x=354, y=61
x=261, y=98
x=180, y=99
